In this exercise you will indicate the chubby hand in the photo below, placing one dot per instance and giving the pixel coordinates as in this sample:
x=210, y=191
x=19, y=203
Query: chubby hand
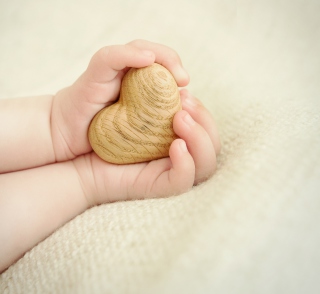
x=99, y=86
x=192, y=156
x=192, y=160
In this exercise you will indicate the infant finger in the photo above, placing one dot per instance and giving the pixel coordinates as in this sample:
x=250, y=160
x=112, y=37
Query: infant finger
x=108, y=61
x=180, y=177
x=202, y=116
x=199, y=145
x=168, y=58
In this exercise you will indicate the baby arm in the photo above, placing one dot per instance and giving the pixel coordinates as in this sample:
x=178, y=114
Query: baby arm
x=25, y=133
x=35, y=202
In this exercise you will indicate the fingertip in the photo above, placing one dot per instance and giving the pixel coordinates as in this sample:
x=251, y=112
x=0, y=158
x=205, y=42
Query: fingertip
x=189, y=102
x=202, y=116
x=200, y=145
x=179, y=154
x=181, y=76
x=178, y=122
x=106, y=63
x=184, y=92
x=183, y=146
x=167, y=57
x=182, y=173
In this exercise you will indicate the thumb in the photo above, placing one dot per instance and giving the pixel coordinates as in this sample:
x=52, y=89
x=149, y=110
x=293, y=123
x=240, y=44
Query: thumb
x=108, y=61
x=180, y=177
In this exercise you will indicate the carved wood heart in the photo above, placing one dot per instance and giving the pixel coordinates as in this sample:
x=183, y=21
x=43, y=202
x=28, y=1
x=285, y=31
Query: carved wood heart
x=138, y=127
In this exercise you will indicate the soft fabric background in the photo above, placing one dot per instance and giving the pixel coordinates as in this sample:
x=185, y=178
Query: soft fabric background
x=253, y=227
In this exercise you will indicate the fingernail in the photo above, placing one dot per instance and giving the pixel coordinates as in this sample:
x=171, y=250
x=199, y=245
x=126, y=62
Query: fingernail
x=181, y=73
x=188, y=120
x=183, y=146
x=147, y=53
x=189, y=100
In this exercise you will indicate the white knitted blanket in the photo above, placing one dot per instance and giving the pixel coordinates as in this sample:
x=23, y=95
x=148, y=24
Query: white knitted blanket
x=254, y=226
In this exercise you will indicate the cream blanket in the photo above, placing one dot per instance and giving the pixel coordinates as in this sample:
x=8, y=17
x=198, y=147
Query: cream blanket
x=254, y=226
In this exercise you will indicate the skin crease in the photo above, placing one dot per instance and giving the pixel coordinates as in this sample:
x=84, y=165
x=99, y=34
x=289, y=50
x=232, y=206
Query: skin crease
x=48, y=172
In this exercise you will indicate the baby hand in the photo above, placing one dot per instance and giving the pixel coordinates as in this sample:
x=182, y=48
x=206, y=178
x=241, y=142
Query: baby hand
x=192, y=156
x=192, y=160
x=99, y=86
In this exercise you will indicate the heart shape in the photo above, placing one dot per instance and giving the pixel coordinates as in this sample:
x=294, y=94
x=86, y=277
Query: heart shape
x=138, y=127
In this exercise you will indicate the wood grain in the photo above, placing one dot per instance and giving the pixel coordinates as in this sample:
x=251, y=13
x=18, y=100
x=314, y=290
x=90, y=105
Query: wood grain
x=138, y=127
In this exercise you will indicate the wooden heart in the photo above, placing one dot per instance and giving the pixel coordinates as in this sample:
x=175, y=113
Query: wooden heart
x=138, y=127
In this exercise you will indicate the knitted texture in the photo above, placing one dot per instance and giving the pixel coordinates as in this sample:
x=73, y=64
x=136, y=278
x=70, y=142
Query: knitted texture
x=253, y=227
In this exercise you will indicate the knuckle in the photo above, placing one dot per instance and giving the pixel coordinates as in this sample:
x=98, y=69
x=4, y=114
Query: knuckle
x=102, y=53
x=136, y=42
x=172, y=56
x=183, y=188
x=128, y=49
x=206, y=175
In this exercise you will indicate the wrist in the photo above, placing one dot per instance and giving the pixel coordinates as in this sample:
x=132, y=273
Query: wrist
x=87, y=181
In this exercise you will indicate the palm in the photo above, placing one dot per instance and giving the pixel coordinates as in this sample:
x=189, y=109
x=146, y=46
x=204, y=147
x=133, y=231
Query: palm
x=132, y=181
x=99, y=86
x=79, y=111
